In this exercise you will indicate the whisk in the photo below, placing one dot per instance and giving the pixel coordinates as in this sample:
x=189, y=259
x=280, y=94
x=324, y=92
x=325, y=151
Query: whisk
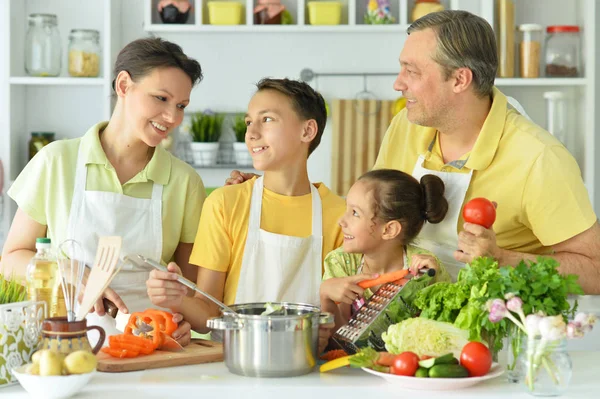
x=71, y=267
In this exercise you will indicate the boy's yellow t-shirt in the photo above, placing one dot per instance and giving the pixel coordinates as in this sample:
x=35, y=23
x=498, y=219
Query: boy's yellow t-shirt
x=223, y=227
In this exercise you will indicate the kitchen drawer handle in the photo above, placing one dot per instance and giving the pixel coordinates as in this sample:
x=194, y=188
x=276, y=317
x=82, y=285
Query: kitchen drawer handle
x=218, y=323
x=325, y=318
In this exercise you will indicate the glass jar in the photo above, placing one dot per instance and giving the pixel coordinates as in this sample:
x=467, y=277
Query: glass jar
x=84, y=53
x=424, y=7
x=42, y=46
x=563, y=51
x=530, y=49
x=546, y=366
x=556, y=116
x=38, y=141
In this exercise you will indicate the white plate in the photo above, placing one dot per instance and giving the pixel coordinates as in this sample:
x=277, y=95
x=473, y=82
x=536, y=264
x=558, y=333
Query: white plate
x=436, y=384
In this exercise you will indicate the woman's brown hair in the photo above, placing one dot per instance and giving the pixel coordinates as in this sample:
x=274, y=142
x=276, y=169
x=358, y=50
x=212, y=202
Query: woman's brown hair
x=399, y=196
x=142, y=56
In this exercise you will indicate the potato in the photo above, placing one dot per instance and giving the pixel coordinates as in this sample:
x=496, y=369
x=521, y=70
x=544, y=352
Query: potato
x=33, y=369
x=50, y=363
x=36, y=357
x=81, y=362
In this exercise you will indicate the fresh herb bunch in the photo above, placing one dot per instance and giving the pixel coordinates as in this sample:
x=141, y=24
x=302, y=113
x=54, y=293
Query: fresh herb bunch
x=206, y=127
x=11, y=290
x=538, y=284
x=239, y=128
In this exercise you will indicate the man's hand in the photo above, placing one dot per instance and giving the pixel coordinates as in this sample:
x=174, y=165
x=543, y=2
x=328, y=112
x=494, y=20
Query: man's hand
x=422, y=261
x=344, y=289
x=163, y=288
x=237, y=177
x=475, y=241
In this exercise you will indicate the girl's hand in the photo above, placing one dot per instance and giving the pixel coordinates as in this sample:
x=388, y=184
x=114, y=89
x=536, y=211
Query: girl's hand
x=344, y=289
x=164, y=290
x=183, y=334
x=422, y=261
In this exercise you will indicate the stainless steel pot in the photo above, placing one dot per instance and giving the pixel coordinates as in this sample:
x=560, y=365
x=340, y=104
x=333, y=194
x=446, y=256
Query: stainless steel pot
x=283, y=344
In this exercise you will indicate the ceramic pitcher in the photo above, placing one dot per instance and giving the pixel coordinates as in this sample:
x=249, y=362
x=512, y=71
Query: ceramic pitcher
x=64, y=336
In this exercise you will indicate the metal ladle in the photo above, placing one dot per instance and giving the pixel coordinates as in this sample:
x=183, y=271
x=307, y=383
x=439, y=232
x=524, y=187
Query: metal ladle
x=141, y=261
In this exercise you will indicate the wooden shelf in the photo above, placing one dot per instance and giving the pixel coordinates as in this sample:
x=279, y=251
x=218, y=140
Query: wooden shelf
x=59, y=81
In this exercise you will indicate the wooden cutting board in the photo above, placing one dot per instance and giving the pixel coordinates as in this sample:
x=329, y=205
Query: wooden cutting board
x=198, y=351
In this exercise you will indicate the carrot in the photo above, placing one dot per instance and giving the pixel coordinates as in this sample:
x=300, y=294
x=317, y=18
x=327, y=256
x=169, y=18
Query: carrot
x=385, y=359
x=333, y=354
x=385, y=278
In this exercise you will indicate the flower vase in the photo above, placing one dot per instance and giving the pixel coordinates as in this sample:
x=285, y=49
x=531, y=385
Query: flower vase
x=546, y=366
x=515, y=339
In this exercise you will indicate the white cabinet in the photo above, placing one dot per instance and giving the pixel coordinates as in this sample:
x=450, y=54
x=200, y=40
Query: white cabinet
x=64, y=105
x=233, y=57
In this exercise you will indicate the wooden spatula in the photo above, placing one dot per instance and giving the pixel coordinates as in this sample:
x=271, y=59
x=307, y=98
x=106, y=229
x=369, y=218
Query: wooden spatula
x=102, y=273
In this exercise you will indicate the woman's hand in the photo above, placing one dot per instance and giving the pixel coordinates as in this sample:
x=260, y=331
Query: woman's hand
x=112, y=296
x=164, y=290
x=422, y=261
x=237, y=177
x=344, y=289
x=183, y=334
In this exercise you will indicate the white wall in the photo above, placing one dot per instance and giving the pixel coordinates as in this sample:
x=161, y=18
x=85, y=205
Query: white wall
x=233, y=62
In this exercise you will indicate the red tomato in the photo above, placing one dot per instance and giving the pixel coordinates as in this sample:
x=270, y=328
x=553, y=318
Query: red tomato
x=480, y=211
x=406, y=364
x=476, y=358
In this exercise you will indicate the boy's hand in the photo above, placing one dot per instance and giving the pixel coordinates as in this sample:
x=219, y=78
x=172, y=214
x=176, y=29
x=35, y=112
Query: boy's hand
x=237, y=177
x=344, y=289
x=163, y=288
x=422, y=261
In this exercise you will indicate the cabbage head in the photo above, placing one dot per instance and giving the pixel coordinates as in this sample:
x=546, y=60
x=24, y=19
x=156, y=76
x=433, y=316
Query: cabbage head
x=425, y=337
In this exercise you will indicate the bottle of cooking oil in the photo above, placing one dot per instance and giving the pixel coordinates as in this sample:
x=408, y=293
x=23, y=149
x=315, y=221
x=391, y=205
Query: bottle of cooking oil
x=43, y=280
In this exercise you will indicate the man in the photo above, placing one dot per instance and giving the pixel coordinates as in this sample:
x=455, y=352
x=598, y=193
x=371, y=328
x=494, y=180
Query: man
x=458, y=126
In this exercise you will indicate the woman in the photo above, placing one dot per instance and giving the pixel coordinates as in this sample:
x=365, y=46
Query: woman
x=116, y=180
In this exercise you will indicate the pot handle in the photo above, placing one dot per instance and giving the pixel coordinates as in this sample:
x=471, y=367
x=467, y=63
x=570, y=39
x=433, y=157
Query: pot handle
x=325, y=318
x=218, y=323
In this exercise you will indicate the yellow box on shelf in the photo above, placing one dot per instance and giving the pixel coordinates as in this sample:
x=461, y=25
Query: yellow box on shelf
x=324, y=12
x=225, y=13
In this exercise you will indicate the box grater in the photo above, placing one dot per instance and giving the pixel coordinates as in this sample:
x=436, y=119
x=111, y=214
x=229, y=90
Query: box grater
x=373, y=318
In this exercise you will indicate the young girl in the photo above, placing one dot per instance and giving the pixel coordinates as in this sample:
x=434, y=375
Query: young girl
x=385, y=210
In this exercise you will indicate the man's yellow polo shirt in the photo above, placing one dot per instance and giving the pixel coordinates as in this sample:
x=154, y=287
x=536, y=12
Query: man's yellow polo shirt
x=223, y=226
x=536, y=182
x=44, y=189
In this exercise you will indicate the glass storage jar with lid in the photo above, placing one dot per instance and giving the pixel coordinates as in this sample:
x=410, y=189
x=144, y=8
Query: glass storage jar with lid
x=563, y=51
x=84, y=53
x=42, y=46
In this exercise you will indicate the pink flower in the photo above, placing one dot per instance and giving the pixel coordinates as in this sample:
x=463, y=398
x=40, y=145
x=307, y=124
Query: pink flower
x=574, y=330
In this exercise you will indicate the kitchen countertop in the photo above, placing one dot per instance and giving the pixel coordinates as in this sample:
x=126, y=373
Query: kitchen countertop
x=206, y=380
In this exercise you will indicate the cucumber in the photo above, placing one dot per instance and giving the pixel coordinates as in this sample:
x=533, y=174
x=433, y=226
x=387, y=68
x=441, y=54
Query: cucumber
x=448, y=371
x=445, y=359
x=422, y=372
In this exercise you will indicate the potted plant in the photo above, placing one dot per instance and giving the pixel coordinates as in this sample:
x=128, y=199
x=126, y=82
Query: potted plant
x=242, y=155
x=20, y=327
x=205, y=129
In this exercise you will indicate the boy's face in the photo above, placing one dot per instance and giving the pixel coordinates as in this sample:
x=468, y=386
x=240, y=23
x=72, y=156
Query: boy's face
x=275, y=132
x=361, y=231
